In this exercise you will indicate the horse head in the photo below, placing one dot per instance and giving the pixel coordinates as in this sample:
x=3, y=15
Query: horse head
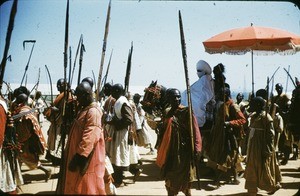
x=154, y=99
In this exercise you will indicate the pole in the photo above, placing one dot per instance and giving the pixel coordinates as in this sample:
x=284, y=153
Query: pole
x=7, y=40
x=27, y=65
x=70, y=65
x=108, y=66
x=252, y=67
x=287, y=80
x=63, y=132
x=184, y=56
x=103, y=51
x=82, y=49
x=128, y=69
x=289, y=75
x=79, y=44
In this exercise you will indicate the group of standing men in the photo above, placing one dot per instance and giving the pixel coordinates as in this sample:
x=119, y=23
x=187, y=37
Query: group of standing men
x=252, y=133
x=94, y=143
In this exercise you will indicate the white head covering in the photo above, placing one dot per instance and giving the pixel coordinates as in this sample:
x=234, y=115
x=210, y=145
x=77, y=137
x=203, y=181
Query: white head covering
x=203, y=68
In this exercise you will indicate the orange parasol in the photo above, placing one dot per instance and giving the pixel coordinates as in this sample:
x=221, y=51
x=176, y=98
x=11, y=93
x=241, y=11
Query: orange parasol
x=254, y=39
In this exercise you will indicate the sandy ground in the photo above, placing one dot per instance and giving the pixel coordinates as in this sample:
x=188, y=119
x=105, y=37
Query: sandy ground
x=149, y=182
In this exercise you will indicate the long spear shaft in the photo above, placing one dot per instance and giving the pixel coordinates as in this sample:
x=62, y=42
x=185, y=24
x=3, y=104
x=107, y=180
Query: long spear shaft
x=27, y=65
x=66, y=93
x=7, y=40
x=128, y=69
x=94, y=78
x=287, y=80
x=82, y=49
x=103, y=51
x=78, y=47
x=188, y=90
x=108, y=66
x=70, y=65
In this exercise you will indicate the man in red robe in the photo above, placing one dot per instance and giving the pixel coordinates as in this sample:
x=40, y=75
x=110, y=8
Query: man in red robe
x=84, y=157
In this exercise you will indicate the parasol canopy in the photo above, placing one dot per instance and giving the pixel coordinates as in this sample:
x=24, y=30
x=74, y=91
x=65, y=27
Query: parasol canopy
x=260, y=40
x=254, y=39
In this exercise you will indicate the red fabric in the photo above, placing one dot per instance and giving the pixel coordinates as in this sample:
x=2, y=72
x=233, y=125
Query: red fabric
x=197, y=136
x=239, y=116
x=165, y=144
x=2, y=124
x=86, y=134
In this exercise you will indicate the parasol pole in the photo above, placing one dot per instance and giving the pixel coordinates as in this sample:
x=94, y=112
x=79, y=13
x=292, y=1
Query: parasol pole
x=252, y=67
x=188, y=90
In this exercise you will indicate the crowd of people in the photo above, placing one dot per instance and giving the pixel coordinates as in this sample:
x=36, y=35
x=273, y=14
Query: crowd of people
x=95, y=141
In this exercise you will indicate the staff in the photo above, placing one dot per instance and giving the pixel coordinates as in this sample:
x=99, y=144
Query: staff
x=108, y=66
x=103, y=51
x=63, y=133
x=78, y=47
x=7, y=40
x=128, y=69
x=82, y=49
x=188, y=90
x=27, y=65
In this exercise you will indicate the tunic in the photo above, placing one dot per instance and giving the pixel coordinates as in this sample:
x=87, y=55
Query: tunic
x=86, y=135
x=223, y=146
x=174, y=155
x=10, y=171
x=31, y=137
x=123, y=118
x=262, y=170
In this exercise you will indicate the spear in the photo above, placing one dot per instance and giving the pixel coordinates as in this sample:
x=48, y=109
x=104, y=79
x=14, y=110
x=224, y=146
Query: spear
x=66, y=92
x=70, y=65
x=27, y=65
x=188, y=90
x=79, y=44
x=82, y=49
x=94, y=78
x=108, y=66
x=7, y=40
x=103, y=51
x=287, y=80
x=128, y=69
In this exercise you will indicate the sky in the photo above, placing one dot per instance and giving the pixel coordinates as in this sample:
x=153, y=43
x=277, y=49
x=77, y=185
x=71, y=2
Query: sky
x=153, y=28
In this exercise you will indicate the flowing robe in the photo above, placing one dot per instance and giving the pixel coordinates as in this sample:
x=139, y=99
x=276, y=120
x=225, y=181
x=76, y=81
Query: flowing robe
x=86, y=135
x=201, y=93
x=174, y=155
x=262, y=170
x=10, y=176
x=220, y=153
x=31, y=137
x=123, y=118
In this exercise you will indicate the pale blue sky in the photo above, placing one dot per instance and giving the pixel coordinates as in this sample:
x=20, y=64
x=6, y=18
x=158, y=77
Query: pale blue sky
x=153, y=28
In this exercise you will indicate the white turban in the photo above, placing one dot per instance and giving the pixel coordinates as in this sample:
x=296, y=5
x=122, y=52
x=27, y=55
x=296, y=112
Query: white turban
x=203, y=68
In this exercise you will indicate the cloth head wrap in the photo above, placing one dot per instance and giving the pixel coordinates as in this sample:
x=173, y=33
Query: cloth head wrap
x=203, y=68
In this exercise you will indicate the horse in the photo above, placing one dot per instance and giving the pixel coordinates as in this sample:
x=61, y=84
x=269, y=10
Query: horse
x=154, y=104
x=154, y=101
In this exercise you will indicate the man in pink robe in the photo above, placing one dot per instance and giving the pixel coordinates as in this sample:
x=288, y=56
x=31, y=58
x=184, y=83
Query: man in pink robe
x=84, y=157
